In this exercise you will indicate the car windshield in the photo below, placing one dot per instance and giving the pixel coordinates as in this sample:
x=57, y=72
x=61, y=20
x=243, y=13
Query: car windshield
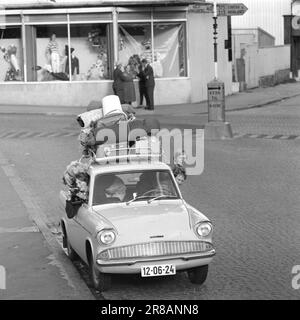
x=134, y=186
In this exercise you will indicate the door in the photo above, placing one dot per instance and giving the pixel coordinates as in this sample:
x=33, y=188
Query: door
x=79, y=230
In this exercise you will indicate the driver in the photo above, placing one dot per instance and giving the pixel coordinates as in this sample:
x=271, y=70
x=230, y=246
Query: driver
x=116, y=192
x=164, y=184
x=147, y=182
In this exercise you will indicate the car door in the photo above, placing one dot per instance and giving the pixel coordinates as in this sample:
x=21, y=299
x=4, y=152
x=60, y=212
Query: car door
x=78, y=231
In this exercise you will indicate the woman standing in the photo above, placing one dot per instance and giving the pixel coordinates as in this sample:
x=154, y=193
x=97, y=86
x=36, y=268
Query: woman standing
x=129, y=90
x=118, y=84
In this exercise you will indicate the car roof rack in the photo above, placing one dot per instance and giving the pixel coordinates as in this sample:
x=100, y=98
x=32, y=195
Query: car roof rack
x=129, y=157
x=127, y=154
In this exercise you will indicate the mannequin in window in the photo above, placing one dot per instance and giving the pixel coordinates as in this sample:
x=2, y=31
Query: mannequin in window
x=13, y=73
x=52, y=52
x=74, y=61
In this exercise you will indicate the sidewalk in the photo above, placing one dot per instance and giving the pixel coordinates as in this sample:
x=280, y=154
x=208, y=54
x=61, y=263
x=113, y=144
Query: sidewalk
x=33, y=271
x=249, y=99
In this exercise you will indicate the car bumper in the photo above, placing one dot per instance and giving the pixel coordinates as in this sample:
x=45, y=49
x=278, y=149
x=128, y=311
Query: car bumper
x=181, y=263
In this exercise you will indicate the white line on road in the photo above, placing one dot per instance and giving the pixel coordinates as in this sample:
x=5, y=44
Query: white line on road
x=25, y=229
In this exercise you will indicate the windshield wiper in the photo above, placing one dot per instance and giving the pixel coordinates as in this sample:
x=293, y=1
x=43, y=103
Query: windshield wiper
x=136, y=198
x=162, y=196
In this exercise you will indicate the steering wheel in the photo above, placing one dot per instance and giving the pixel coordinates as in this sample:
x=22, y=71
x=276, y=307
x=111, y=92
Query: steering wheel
x=157, y=192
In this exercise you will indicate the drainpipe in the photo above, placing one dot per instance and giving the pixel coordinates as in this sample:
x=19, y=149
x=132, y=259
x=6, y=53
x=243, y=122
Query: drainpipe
x=291, y=43
x=115, y=34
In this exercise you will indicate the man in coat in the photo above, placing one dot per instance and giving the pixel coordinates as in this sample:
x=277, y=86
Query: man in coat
x=118, y=84
x=142, y=84
x=149, y=84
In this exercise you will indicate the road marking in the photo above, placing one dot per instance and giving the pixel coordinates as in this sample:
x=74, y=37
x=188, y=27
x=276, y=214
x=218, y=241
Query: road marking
x=277, y=136
x=30, y=134
x=36, y=214
x=24, y=229
x=266, y=136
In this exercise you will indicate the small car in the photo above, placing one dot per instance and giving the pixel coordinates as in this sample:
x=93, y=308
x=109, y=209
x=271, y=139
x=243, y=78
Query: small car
x=136, y=221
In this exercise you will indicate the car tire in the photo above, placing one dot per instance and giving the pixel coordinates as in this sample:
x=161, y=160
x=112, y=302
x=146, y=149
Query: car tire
x=198, y=275
x=101, y=281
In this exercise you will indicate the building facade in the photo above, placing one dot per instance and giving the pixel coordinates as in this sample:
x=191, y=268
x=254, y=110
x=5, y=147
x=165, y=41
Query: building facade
x=75, y=66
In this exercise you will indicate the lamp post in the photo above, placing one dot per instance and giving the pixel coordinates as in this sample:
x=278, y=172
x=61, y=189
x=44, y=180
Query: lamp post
x=215, y=25
x=216, y=128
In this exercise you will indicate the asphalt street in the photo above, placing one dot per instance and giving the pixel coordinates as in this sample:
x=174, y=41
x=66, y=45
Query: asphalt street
x=249, y=189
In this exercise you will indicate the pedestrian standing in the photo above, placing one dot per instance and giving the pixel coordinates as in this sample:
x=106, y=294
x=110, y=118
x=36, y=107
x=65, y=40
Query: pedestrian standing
x=142, y=84
x=118, y=84
x=149, y=83
x=129, y=91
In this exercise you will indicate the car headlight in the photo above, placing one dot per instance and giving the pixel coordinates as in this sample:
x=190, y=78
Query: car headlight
x=106, y=237
x=204, y=229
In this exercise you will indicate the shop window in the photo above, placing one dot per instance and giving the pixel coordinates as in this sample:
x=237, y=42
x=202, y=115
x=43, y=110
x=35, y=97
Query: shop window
x=169, y=50
x=45, y=49
x=11, y=60
x=90, y=52
x=135, y=44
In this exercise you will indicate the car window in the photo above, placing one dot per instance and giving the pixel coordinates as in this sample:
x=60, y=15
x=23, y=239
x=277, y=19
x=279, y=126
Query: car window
x=123, y=187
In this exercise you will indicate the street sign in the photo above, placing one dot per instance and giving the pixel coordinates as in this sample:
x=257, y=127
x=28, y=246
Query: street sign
x=231, y=9
x=202, y=7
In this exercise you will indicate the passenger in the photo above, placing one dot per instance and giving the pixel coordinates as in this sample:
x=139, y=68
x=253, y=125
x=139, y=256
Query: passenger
x=82, y=183
x=179, y=173
x=116, y=192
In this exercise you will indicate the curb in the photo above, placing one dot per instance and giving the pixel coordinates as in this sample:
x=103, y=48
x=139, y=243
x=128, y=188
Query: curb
x=58, y=114
x=265, y=103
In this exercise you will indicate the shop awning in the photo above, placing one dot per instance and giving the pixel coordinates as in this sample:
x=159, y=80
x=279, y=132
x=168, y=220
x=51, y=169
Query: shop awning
x=8, y=4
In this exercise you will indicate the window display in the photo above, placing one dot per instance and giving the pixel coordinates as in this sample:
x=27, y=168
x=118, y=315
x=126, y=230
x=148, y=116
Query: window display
x=91, y=54
x=47, y=62
x=89, y=49
x=11, y=48
x=134, y=45
x=169, y=53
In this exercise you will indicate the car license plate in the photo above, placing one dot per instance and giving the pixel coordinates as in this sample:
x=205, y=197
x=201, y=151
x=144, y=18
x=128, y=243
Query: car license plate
x=158, y=270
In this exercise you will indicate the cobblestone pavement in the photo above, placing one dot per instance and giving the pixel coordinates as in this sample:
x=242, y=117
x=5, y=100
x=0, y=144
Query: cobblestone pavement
x=249, y=189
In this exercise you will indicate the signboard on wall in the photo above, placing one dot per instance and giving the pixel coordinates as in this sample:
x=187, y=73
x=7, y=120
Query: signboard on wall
x=223, y=9
x=231, y=9
x=201, y=8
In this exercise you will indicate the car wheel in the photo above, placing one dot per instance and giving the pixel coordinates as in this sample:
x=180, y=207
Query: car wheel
x=198, y=275
x=101, y=281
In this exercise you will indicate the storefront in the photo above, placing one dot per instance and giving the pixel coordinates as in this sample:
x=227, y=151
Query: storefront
x=65, y=54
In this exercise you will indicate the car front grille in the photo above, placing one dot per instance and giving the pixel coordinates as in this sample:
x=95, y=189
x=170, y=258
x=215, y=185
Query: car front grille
x=155, y=249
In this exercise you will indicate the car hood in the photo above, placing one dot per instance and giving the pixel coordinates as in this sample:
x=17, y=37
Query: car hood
x=157, y=220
